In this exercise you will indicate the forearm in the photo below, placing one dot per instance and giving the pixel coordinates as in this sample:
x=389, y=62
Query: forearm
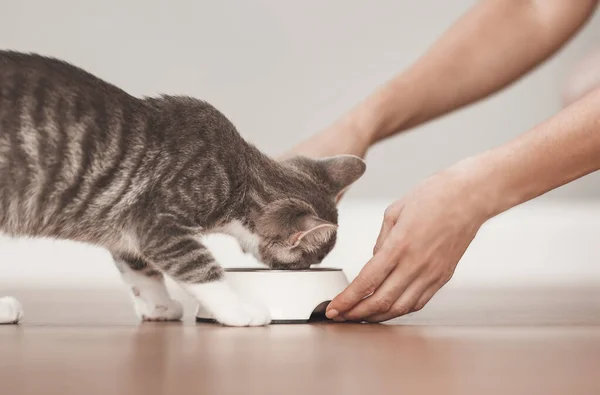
x=556, y=152
x=491, y=46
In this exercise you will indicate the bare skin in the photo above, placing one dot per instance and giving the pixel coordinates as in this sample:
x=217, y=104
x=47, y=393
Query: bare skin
x=493, y=45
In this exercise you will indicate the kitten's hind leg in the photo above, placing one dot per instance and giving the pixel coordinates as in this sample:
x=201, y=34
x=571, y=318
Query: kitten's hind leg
x=11, y=311
x=186, y=260
x=151, y=298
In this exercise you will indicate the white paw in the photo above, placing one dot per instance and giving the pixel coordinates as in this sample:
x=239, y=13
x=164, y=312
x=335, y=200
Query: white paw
x=221, y=302
x=11, y=311
x=260, y=314
x=243, y=314
x=168, y=310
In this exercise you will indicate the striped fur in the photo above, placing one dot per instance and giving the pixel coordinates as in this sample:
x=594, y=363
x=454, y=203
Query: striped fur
x=82, y=160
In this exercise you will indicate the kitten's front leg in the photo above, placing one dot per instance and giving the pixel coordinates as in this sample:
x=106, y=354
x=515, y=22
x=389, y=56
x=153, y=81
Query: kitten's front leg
x=190, y=263
x=150, y=296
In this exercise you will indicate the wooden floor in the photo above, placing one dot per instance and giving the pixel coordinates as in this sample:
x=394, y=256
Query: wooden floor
x=88, y=342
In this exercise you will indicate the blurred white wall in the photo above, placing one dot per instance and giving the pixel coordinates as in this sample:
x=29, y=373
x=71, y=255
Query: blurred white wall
x=550, y=244
x=281, y=70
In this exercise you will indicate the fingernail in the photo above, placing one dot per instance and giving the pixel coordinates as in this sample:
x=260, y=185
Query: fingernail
x=331, y=314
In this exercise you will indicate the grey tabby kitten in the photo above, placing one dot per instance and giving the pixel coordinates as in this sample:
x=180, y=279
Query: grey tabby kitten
x=83, y=160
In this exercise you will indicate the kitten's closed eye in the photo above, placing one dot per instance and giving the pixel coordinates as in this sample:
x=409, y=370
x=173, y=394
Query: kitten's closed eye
x=296, y=232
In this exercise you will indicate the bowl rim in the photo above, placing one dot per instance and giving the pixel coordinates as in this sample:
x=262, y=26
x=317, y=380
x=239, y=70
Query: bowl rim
x=267, y=270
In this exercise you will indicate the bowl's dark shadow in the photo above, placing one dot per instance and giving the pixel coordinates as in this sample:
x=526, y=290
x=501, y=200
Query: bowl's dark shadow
x=317, y=316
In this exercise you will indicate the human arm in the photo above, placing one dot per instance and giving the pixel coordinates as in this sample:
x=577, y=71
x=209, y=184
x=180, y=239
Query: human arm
x=491, y=46
x=425, y=234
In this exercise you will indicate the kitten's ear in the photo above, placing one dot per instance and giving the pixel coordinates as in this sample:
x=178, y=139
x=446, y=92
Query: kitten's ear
x=314, y=230
x=342, y=171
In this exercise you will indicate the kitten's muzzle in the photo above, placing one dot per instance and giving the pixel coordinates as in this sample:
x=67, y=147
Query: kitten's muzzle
x=290, y=266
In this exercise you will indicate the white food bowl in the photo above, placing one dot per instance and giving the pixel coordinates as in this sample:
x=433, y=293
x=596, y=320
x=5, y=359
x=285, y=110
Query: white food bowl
x=292, y=296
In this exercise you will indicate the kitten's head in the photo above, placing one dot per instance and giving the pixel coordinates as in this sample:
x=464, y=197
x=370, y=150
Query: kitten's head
x=298, y=227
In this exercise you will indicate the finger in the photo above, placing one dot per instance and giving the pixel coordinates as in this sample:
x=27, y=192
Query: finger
x=406, y=303
x=427, y=295
x=386, y=295
x=386, y=227
x=390, y=218
x=368, y=280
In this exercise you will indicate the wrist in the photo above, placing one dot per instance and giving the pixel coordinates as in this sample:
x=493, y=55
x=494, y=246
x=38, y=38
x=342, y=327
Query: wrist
x=351, y=134
x=485, y=192
x=389, y=110
x=356, y=126
x=500, y=179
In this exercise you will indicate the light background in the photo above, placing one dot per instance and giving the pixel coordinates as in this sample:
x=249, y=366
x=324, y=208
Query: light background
x=282, y=70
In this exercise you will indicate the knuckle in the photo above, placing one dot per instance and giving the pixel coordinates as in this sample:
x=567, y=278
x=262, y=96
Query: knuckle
x=445, y=276
x=440, y=275
x=388, y=221
x=400, y=241
x=382, y=305
x=376, y=248
x=368, y=286
x=401, y=310
x=418, y=307
x=389, y=212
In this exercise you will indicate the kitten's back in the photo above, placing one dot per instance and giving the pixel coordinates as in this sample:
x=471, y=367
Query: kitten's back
x=61, y=75
x=69, y=144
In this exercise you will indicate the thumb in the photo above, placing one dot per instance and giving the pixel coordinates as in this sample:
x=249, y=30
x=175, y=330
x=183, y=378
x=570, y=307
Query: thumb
x=390, y=217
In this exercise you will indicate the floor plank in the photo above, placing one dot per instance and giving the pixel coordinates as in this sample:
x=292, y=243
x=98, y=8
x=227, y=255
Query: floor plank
x=89, y=342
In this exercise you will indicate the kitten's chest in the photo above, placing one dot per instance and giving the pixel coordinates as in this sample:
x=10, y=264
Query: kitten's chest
x=124, y=242
x=249, y=241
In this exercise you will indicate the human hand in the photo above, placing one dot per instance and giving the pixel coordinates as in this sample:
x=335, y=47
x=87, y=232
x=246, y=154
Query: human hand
x=422, y=238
